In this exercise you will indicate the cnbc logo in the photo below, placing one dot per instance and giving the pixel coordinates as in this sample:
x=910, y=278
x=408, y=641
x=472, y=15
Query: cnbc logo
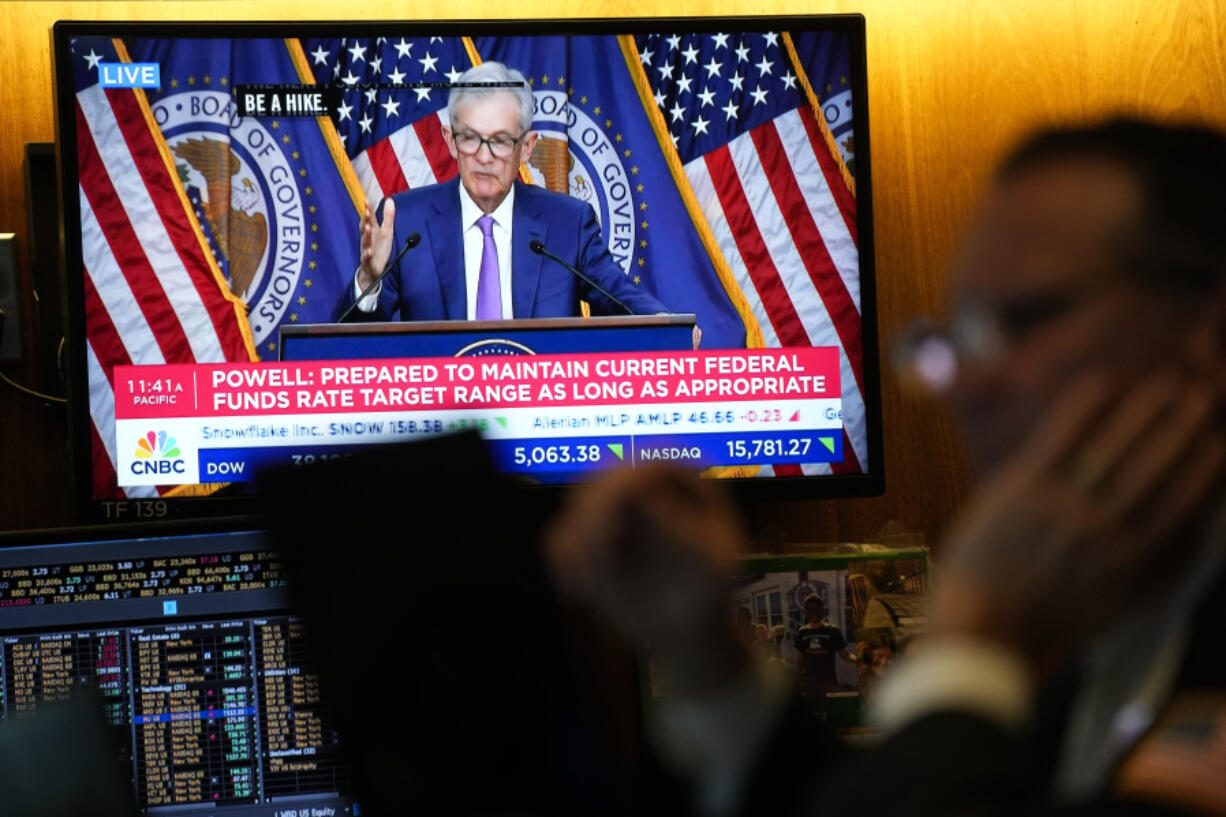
x=157, y=453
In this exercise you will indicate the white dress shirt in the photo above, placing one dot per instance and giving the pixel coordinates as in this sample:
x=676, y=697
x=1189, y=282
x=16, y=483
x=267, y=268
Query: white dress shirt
x=474, y=245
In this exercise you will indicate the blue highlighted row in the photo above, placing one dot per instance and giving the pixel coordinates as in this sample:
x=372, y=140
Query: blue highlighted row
x=243, y=464
x=167, y=717
x=551, y=458
x=560, y=455
x=556, y=457
x=742, y=448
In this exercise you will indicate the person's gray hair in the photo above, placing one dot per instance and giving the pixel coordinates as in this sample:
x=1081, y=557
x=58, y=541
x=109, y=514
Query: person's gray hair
x=492, y=72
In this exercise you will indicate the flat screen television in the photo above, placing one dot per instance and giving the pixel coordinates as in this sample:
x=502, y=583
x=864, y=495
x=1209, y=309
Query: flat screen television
x=213, y=179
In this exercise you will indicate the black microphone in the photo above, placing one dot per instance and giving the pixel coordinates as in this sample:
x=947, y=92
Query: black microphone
x=409, y=243
x=539, y=248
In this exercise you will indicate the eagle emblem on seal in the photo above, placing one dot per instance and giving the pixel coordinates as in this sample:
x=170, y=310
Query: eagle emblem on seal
x=240, y=230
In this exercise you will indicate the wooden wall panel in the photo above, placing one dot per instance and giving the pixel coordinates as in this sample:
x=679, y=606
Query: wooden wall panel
x=951, y=85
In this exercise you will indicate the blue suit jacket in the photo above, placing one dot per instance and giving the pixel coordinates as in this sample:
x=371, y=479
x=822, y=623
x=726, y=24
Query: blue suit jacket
x=429, y=283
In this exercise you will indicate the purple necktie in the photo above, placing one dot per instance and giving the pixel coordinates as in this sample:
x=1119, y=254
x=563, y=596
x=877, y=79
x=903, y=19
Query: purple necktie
x=489, y=291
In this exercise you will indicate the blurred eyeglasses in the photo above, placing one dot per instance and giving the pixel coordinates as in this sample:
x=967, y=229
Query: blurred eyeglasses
x=927, y=355
x=501, y=145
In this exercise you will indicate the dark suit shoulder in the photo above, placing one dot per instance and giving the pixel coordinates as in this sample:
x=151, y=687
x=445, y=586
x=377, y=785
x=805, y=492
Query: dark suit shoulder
x=439, y=194
x=541, y=200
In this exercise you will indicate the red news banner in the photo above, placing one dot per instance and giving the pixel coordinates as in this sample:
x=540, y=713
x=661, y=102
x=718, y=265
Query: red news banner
x=444, y=384
x=562, y=414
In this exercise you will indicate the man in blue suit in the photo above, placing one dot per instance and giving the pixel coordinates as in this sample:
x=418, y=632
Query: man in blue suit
x=475, y=260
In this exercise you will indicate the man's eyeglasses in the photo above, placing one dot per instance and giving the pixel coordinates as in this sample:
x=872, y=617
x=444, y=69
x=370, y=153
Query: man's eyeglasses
x=927, y=355
x=501, y=145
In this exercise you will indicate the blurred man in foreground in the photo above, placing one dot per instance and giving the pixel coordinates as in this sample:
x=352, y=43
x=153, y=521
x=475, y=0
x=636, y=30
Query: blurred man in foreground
x=1085, y=357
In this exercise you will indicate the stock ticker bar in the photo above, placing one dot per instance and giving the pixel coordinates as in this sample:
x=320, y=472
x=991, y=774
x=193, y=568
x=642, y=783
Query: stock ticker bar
x=154, y=577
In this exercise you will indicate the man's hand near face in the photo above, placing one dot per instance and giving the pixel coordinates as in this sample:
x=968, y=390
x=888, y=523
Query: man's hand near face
x=1086, y=518
x=651, y=550
x=376, y=242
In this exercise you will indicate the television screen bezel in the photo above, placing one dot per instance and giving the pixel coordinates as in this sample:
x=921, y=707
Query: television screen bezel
x=89, y=509
x=132, y=529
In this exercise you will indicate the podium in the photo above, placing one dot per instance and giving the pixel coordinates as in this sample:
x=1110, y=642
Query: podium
x=356, y=341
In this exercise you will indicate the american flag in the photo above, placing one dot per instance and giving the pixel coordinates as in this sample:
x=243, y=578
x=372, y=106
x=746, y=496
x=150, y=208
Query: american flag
x=153, y=292
x=769, y=180
x=393, y=137
x=748, y=130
